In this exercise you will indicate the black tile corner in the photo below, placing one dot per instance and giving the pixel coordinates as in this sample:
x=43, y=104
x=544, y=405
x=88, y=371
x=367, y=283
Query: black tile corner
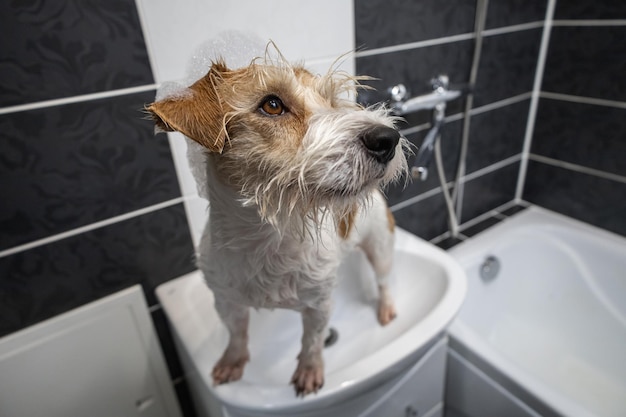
x=595, y=200
x=54, y=278
x=69, y=47
x=380, y=23
x=489, y=191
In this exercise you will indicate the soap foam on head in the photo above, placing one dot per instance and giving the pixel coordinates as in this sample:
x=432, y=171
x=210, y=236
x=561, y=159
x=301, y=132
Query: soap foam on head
x=237, y=49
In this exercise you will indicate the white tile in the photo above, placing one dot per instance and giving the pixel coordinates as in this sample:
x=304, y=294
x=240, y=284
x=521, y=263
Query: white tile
x=302, y=30
x=178, y=145
x=197, y=210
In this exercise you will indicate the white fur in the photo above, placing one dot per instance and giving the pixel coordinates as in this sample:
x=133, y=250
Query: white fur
x=285, y=208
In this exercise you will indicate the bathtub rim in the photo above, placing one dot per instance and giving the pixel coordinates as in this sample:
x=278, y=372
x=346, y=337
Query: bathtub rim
x=465, y=341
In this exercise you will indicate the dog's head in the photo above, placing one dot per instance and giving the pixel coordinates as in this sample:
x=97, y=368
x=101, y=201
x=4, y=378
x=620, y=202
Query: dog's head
x=285, y=139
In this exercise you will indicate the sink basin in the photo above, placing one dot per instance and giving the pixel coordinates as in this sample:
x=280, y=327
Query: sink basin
x=427, y=285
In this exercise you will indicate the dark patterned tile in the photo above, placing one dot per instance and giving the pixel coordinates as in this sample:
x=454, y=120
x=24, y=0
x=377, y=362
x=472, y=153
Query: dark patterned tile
x=381, y=23
x=584, y=134
x=450, y=144
x=415, y=68
x=588, y=9
x=68, y=166
x=48, y=280
x=481, y=226
x=489, y=191
x=69, y=47
x=514, y=12
x=507, y=66
x=587, y=61
x=496, y=135
x=592, y=199
x=427, y=218
x=514, y=210
x=449, y=242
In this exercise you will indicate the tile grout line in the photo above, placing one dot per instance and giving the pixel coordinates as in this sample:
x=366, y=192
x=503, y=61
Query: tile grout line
x=416, y=199
x=414, y=45
x=513, y=28
x=578, y=168
x=534, y=102
x=583, y=99
x=496, y=105
x=491, y=168
x=78, y=99
x=90, y=227
x=448, y=39
x=589, y=22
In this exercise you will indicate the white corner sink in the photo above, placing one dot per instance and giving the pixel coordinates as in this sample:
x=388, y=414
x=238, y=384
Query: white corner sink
x=427, y=285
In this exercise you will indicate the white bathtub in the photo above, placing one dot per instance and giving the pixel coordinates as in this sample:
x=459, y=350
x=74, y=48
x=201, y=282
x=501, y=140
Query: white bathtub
x=553, y=321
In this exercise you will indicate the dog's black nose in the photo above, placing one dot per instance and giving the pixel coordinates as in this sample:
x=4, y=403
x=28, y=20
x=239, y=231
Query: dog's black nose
x=381, y=142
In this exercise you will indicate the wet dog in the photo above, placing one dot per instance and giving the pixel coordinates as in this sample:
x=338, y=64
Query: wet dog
x=294, y=171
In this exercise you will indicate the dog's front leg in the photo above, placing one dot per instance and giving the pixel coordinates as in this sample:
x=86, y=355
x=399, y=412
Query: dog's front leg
x=230, y=366
x=309, y=375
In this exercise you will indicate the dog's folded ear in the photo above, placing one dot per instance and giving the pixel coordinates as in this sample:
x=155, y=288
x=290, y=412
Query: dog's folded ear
x=198, y=113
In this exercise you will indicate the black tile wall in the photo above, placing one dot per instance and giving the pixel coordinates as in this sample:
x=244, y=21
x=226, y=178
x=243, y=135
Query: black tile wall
x=69, y=166
x=427, y=218
x=450, y=144
x=507, y=71
x=507, y=66
x=489, y=191
x=592, y=199
x=69, y=47
x=415, y=68
x=587, y=61
x=502, y=13
x=584, y=134
x=54, y=278
x=496, y=135
x=587, y=9
x=583, y=138
x=386, y=23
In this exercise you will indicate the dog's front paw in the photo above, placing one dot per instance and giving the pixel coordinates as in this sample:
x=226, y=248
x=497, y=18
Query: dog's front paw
x=308, y=379
x=228, y=370
x=386, y=312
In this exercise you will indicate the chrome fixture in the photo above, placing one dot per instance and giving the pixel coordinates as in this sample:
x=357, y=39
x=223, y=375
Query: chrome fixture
x=437, y=102
x=440, y=94
x=489, y=268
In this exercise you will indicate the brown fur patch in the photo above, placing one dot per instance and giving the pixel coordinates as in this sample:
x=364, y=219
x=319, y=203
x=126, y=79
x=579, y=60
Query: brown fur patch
x=346, y=223
x=199, y=115
x=391, y=221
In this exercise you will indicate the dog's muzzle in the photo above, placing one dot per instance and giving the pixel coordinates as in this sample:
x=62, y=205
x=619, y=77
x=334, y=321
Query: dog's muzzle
x=381, y=142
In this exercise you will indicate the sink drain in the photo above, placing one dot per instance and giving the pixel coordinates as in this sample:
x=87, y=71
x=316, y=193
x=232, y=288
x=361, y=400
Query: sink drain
x=332, y=337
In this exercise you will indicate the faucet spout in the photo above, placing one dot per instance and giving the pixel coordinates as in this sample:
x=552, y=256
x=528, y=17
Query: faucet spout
x=425, y=153
x=419, y=170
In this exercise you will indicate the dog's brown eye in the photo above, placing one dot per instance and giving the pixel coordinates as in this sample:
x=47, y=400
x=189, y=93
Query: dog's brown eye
x=272, y=106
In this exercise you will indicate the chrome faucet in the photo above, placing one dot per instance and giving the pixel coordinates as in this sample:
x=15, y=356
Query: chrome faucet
x=437, y=102
x=440, y=94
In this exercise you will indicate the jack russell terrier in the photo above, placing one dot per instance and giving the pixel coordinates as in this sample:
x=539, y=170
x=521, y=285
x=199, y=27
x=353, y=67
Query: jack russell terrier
x=294, y=173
